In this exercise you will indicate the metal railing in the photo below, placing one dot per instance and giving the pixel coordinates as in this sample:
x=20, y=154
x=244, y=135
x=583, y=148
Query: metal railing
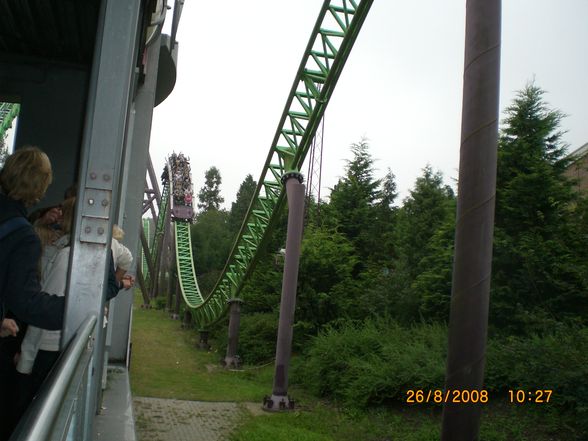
x=59, y=411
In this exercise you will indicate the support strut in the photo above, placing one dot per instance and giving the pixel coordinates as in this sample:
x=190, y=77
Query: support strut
x=279, y=399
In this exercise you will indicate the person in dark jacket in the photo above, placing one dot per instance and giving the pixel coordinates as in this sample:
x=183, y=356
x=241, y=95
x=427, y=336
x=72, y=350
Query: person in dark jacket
x=23, y=181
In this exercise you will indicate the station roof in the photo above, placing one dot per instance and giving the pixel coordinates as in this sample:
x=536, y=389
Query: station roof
x=52, y=30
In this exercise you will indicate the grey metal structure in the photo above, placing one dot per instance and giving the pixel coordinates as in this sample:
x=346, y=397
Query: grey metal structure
x=157, y=262
x=62, y=405
x=131, y=209
x=95, y=71
x=102, y=147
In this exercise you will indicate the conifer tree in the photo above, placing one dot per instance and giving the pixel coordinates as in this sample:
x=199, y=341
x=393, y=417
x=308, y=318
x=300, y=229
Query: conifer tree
x=423, y=212
x=540, y=258
x=241, y=205
x=209, y=195
x=429, y=207
x=354, y=196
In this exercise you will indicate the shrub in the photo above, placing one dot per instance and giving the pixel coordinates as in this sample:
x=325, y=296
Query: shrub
x=160, y=302
x=257, y=337
x=374, y=362
x=377, y=361
x=557, y=361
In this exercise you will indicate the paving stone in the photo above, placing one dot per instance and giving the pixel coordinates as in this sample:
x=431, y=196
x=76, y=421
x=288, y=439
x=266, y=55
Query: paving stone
x=158, y=419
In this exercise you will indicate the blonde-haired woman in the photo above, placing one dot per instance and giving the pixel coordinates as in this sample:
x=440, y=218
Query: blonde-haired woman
x=24, y=179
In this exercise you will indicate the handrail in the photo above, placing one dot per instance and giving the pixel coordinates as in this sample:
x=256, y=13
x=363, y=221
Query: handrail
x=37, y=424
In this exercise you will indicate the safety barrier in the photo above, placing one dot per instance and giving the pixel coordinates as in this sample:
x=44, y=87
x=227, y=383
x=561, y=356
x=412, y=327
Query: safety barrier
x=59, y=412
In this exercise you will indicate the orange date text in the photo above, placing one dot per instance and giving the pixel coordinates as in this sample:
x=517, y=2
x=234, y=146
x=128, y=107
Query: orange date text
x=440, y=396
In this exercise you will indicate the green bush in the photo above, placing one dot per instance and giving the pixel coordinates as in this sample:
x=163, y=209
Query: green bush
x=558, y=361
x=374, y=362
x=257, y=337
x=377, y=361
x=160, y=302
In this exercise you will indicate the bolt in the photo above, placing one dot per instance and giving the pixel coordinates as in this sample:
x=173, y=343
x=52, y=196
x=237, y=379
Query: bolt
x=106, y=177
x=92, y=175
x=87, y=230
x=100, y=231
x=104, y=202
x=91, y=201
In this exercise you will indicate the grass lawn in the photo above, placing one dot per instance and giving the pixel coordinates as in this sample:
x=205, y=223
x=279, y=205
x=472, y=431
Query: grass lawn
x=165, y=363
x=325, y=423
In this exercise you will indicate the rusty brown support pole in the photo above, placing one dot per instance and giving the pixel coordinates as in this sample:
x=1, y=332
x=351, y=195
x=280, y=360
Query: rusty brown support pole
x=150, y=204
x=159, y=261
x=142, y=286
x=187, y=318
x=232, y=359
x=145, y=246
x=154, y=276
x=178, y=294
x=279, y=399
x=468, y=324
x=153, y=179
x=162, y=283
x=170, y=280
x=171, y=264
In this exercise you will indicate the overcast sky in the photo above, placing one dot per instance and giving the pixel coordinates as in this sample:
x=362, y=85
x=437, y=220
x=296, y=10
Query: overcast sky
x=401, y=87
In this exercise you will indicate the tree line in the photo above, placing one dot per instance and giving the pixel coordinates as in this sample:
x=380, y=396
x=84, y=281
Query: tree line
x=369, y=254
x=372, y=265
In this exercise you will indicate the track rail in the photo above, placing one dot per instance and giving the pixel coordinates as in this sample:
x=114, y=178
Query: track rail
x=8, y=112
x=157, y=240
x=144, y=265
x=332, y=38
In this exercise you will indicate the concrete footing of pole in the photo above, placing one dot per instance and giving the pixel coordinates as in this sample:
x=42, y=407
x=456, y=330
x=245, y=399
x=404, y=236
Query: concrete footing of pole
x=203, y=341
x=277, y=403
x=187, y=320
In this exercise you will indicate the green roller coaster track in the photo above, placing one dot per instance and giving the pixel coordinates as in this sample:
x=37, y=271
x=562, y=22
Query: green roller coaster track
x=8, y=112
x=144, y=265
x=157, y=239
x=334, y=33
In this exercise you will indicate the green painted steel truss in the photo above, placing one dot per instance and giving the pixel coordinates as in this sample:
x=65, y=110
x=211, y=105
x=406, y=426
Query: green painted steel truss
x=8, y=112
x=334, y=33
x=157, y=239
